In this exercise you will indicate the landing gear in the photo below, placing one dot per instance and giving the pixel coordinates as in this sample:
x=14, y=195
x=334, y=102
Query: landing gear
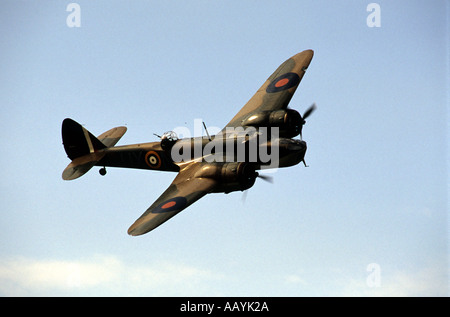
x=102, y=171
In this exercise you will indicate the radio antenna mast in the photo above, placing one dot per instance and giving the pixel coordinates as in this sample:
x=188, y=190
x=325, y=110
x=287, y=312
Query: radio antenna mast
x=206, y=130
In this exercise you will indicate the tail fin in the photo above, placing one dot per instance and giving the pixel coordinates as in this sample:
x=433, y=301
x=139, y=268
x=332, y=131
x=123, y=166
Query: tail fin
x=78, y=141
x=83, y=148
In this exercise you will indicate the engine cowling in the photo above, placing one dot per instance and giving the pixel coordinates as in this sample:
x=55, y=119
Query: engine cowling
x=230, y=176
x=288, y=121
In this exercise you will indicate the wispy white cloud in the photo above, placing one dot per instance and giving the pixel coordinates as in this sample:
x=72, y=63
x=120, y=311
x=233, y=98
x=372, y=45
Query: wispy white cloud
x=107, y=275
x=102, y=276
x=294, y=279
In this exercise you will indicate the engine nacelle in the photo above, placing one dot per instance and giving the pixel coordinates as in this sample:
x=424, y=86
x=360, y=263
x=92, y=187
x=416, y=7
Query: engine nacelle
x=289, y=121
x=230, y=176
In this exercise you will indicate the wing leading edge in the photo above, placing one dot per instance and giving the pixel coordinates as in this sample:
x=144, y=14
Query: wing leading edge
x=182, y=192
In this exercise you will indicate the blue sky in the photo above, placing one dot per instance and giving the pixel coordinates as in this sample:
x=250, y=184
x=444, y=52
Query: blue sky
x=374, y=196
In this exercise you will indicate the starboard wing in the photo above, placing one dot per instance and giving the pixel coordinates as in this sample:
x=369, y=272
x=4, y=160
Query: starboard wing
x=182, y=192
x=277, y=90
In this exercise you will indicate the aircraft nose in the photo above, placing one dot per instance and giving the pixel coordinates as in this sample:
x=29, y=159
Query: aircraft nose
x=297, y=146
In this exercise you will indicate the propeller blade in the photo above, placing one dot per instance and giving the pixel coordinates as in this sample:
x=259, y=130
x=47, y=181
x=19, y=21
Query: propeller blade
x=306, y=115
x=266, y=178
x=244, y=196
x=309, y=111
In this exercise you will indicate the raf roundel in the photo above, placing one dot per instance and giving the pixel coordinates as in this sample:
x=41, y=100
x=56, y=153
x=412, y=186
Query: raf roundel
x=176, y=203
x=283, y=82
x=152, y=159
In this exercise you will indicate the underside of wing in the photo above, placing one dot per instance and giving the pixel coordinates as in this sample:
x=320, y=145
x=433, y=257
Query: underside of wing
x=277, y=90
x=182, y=192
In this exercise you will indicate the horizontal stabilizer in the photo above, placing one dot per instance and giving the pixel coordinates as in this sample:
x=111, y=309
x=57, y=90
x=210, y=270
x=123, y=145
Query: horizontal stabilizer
x=111, y=137
x=81, y=165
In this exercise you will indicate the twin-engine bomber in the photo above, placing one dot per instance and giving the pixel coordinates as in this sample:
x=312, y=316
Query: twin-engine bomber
x=261, y=135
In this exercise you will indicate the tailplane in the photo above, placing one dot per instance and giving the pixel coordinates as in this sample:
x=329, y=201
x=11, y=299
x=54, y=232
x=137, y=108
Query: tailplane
x=83, y=148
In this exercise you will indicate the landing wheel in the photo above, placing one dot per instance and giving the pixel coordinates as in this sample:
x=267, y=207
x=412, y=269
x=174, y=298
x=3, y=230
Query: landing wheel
x=102, y=171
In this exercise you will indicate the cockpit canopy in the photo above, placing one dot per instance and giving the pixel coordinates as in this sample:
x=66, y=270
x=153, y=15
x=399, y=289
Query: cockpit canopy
x=168, y=139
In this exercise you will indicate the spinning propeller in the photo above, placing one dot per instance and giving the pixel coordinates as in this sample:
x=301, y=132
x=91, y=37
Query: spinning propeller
x=265, y=178
x=306, y=115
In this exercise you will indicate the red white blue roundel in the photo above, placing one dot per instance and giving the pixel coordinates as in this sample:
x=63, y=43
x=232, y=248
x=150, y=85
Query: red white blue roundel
x=176, y=203
x=283, y=82
x=153, y=160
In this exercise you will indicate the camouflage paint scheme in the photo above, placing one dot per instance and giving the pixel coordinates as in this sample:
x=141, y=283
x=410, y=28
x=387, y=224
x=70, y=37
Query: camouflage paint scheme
x=264, y=101
x=195, y=177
